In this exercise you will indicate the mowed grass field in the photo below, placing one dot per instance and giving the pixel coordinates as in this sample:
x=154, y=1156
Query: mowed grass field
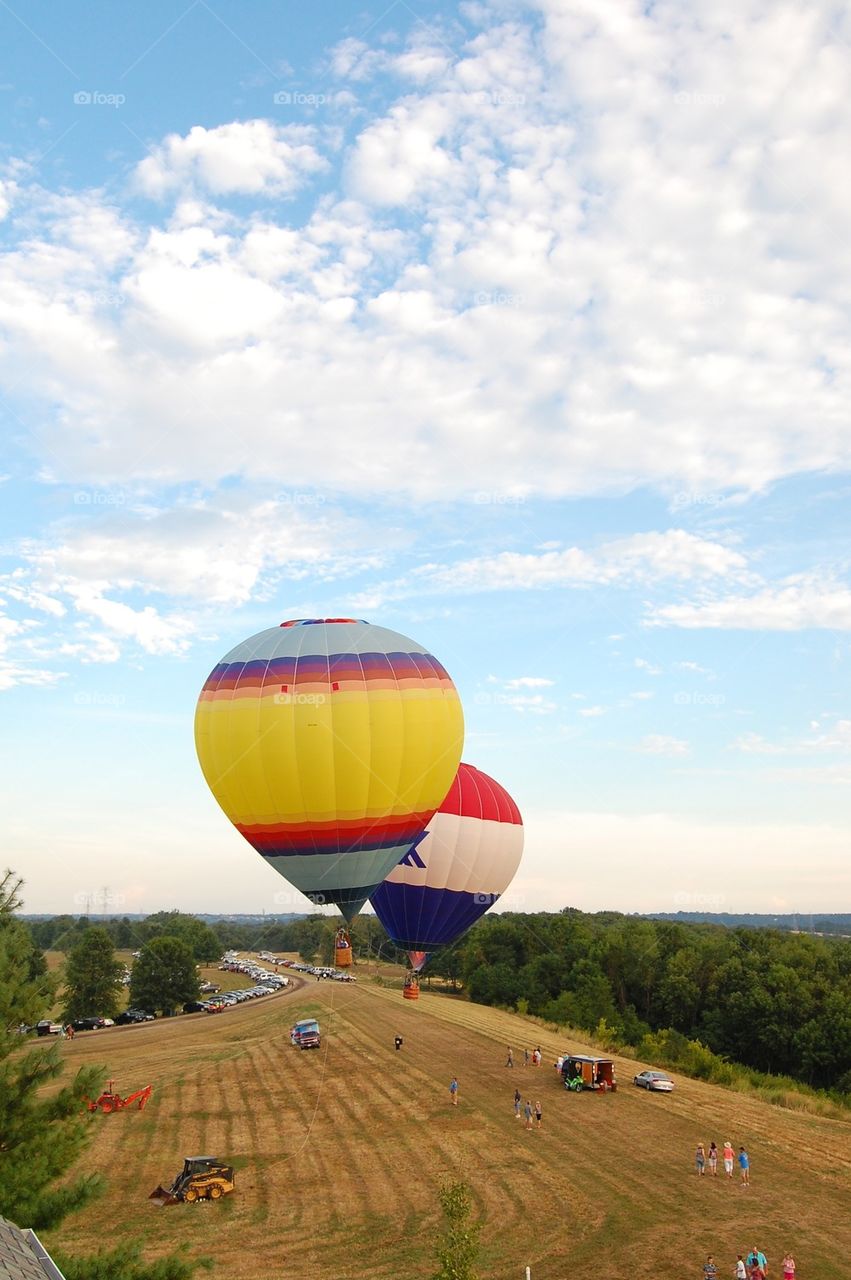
x=340, y=1152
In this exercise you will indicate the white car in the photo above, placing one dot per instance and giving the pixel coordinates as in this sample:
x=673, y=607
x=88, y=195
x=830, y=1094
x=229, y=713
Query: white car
x=654, y=1081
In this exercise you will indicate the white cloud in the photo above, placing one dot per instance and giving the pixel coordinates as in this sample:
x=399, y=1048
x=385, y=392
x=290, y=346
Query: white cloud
x=695, y=667
x=658, y=744
x=251, y=157
x=529, y=682
x=630, y=298
x=796, y=607
x=835, y=738
x=643, y=665
x=592, y=711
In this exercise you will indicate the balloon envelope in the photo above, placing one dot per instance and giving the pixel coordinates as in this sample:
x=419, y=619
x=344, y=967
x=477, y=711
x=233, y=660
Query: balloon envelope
x=329, y=743
x=457, y=870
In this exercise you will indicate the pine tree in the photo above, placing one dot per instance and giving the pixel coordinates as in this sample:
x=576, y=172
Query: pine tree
x=459, y=1247
x=40, y=1138
x=93, y=977
x=164, y=977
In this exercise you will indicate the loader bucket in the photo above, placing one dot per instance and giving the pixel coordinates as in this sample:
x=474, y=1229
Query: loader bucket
x=162, y=1196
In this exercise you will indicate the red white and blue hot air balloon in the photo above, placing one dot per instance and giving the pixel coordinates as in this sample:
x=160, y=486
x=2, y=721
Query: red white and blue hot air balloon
x=464, y=861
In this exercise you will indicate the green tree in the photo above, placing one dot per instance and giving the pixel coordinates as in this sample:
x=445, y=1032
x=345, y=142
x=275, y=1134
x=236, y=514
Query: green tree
x=93, y=977
x=125, y=1263
x=458, y=1248
x=40, y=1138
x=310, y=934
x=164, y=976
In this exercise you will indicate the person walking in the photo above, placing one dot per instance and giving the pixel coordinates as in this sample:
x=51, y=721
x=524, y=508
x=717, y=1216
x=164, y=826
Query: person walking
x=525, y=1057
x=527, y=1111
x=517, y=1102
x=538, y=1115
x=509, y=1061
x=700, y=1160
x=398, y=1043
x=710, y=1270
x=453, y=1091
x=729, y=1157
x=789, y=1267
x=741, y=1271
x=745, y=1167
x=713, y=1159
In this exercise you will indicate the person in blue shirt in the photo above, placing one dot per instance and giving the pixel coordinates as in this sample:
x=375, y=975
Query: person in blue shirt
x=756, y=1259
x=745, y=1166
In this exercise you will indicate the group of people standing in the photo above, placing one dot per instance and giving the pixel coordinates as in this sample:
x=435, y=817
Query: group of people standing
x=527, y=1110
x=534, y=1057
x=704, y=1159
x=752, y=1267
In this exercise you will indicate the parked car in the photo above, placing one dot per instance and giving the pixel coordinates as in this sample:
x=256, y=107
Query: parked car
x=656, y=1081
x=196, y=1006
x=47, y=1028
x=133, y=1015
x=87, y=1024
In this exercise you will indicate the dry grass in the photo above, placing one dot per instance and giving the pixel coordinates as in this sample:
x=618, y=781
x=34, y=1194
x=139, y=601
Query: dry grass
x=339, y=1153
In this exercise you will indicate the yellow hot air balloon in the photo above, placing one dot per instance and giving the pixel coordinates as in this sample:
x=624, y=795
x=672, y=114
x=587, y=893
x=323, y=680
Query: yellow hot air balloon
x=329, y=743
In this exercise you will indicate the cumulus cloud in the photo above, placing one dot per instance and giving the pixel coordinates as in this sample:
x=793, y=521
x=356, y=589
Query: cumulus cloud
x=605, y=278
x=251, y=157
x=797, y=606
x=641, y=558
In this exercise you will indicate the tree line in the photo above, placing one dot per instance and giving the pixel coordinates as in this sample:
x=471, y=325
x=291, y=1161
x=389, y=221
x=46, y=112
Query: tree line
x=774, y=1001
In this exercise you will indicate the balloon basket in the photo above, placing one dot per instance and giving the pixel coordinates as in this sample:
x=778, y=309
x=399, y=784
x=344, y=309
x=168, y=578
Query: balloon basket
x=411, y=989
x=342, y=949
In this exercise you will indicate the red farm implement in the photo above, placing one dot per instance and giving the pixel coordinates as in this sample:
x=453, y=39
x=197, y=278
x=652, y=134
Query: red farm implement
x=111, y=1101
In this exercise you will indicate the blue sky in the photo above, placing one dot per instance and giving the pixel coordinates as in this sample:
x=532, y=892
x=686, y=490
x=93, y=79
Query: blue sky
x=520, y=328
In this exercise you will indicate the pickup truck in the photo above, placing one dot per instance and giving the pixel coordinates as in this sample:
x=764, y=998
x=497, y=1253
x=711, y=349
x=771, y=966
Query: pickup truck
x=305, y=1034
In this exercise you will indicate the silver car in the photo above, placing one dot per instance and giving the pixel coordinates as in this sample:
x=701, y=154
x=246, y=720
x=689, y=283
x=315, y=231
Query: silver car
x=656, y=1081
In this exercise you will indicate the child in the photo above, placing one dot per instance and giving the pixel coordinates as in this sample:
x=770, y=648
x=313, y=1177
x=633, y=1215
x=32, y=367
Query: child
x=745, y=1166
x=453, y=1092
x=789, y=1267
x=713, y=1159
x=700, y=1160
